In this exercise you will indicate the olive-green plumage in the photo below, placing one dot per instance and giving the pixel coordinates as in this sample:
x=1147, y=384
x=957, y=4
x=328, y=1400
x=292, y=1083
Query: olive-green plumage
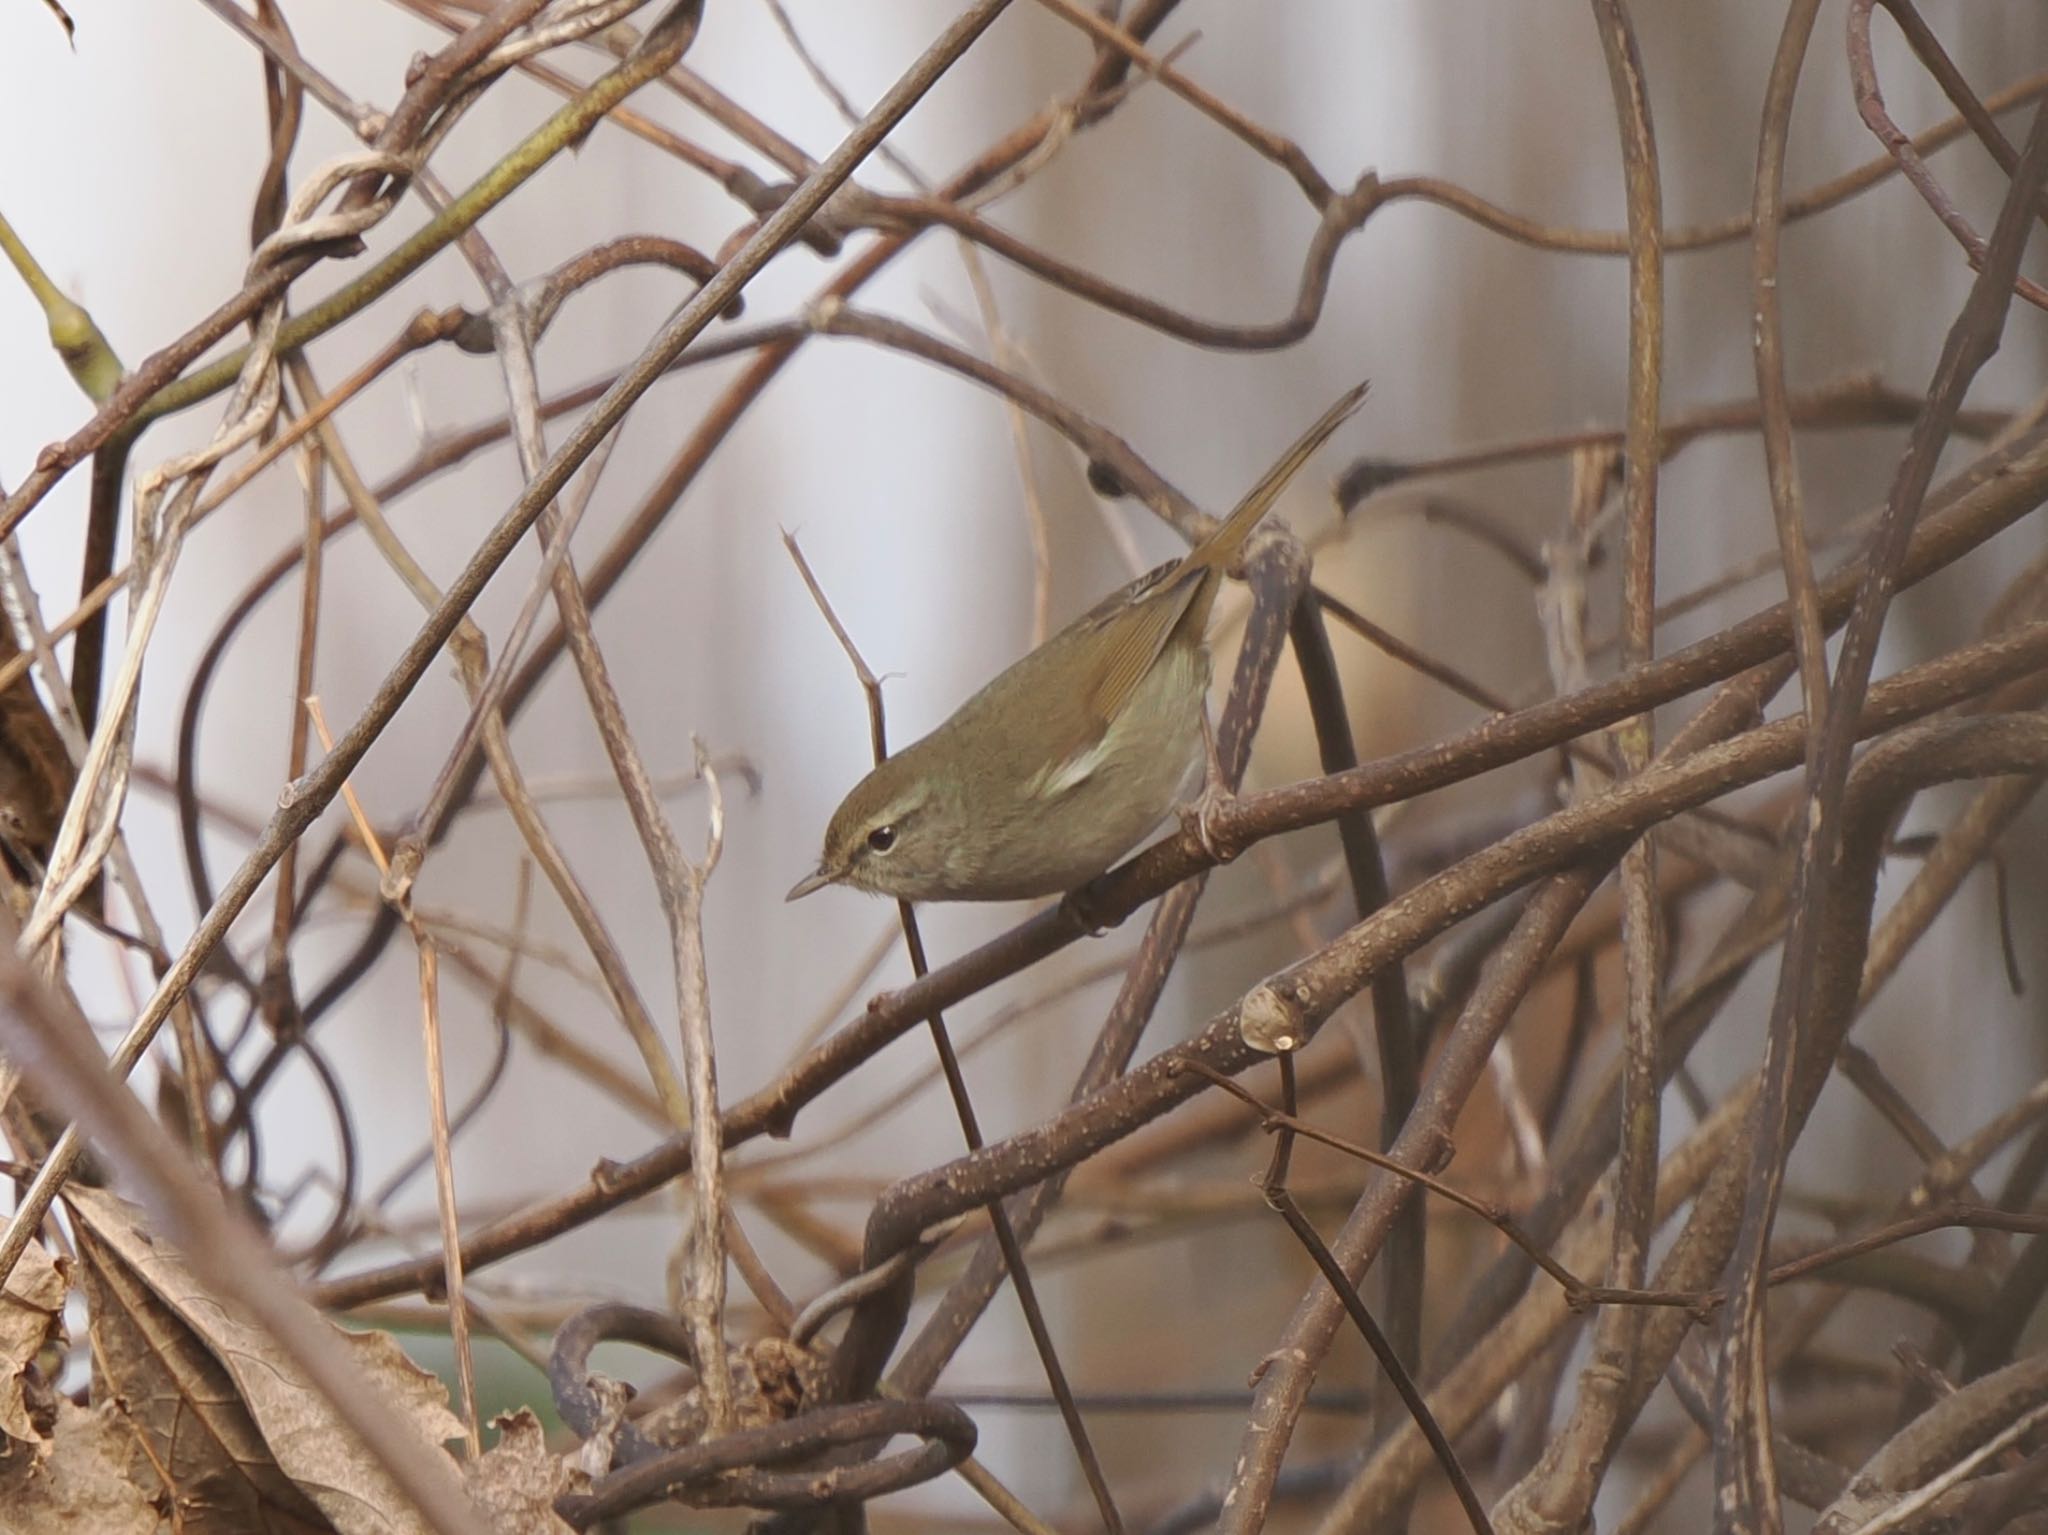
x=1055, y=769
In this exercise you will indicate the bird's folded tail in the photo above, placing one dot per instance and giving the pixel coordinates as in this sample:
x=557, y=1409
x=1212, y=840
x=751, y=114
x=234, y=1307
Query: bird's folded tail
x=1220, y=548
x=1148, y=622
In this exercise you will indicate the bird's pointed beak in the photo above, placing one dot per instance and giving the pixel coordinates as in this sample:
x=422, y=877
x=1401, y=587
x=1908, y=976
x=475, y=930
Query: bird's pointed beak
x=817, y=879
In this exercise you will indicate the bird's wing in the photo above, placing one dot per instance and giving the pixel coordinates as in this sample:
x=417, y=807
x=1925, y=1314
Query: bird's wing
x=1142, y=634
x=1071, y=770
x=1072, y=723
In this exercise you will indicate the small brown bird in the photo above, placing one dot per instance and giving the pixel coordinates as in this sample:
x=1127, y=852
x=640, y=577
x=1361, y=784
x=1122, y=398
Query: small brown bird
x=1059, y=766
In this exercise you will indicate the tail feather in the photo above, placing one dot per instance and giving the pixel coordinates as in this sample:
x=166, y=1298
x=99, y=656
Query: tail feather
x=1182, y=599
x=1220, y=548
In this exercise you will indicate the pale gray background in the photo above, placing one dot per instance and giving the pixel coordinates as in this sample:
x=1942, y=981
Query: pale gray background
x=128, y=165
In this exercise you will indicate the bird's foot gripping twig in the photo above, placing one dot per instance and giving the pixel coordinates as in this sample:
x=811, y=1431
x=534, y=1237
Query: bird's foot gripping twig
x=1198, y=816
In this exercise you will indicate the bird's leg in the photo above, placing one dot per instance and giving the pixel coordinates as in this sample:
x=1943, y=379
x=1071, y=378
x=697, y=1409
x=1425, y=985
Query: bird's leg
x=1216, y=793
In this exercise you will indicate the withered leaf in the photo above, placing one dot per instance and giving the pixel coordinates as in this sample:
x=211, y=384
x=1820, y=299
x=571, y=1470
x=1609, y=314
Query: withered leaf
x=302, y=1439
x=516, y=1482
x=36, y=773
x=77, y=1479
x=30, y=1309
x=190, y=1435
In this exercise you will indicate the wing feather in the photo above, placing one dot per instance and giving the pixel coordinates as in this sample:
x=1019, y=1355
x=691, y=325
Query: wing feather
x=1141, y=635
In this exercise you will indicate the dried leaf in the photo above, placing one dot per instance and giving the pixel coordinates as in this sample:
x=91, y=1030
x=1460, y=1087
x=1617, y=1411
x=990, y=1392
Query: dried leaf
x=308, y=1444
x=420, y=1394
x=76, y=1480
x=516, y=1482
x=36, y=773
x=189, y=1431
x=30, y=1310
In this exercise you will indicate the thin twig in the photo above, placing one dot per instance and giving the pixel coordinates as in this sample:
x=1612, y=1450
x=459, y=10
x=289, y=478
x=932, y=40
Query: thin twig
x=963, y=1106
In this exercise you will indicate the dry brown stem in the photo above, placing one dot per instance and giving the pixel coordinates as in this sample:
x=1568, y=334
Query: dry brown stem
x=1554, y=951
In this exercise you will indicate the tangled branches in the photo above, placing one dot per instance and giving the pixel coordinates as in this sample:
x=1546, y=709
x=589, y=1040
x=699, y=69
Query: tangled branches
x=1624, y=992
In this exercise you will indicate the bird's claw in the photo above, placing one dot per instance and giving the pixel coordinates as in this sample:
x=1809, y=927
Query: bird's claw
x=1199, y=819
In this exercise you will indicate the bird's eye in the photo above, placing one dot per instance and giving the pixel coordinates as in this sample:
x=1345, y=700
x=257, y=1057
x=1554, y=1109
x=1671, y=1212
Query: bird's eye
x=882, y=838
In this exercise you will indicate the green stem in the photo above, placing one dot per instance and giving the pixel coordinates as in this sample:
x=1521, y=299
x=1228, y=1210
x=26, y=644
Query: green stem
x=566, y=128
x=86, y=353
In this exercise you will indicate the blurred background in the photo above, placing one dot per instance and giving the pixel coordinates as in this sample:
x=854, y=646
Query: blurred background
x=130, y=165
